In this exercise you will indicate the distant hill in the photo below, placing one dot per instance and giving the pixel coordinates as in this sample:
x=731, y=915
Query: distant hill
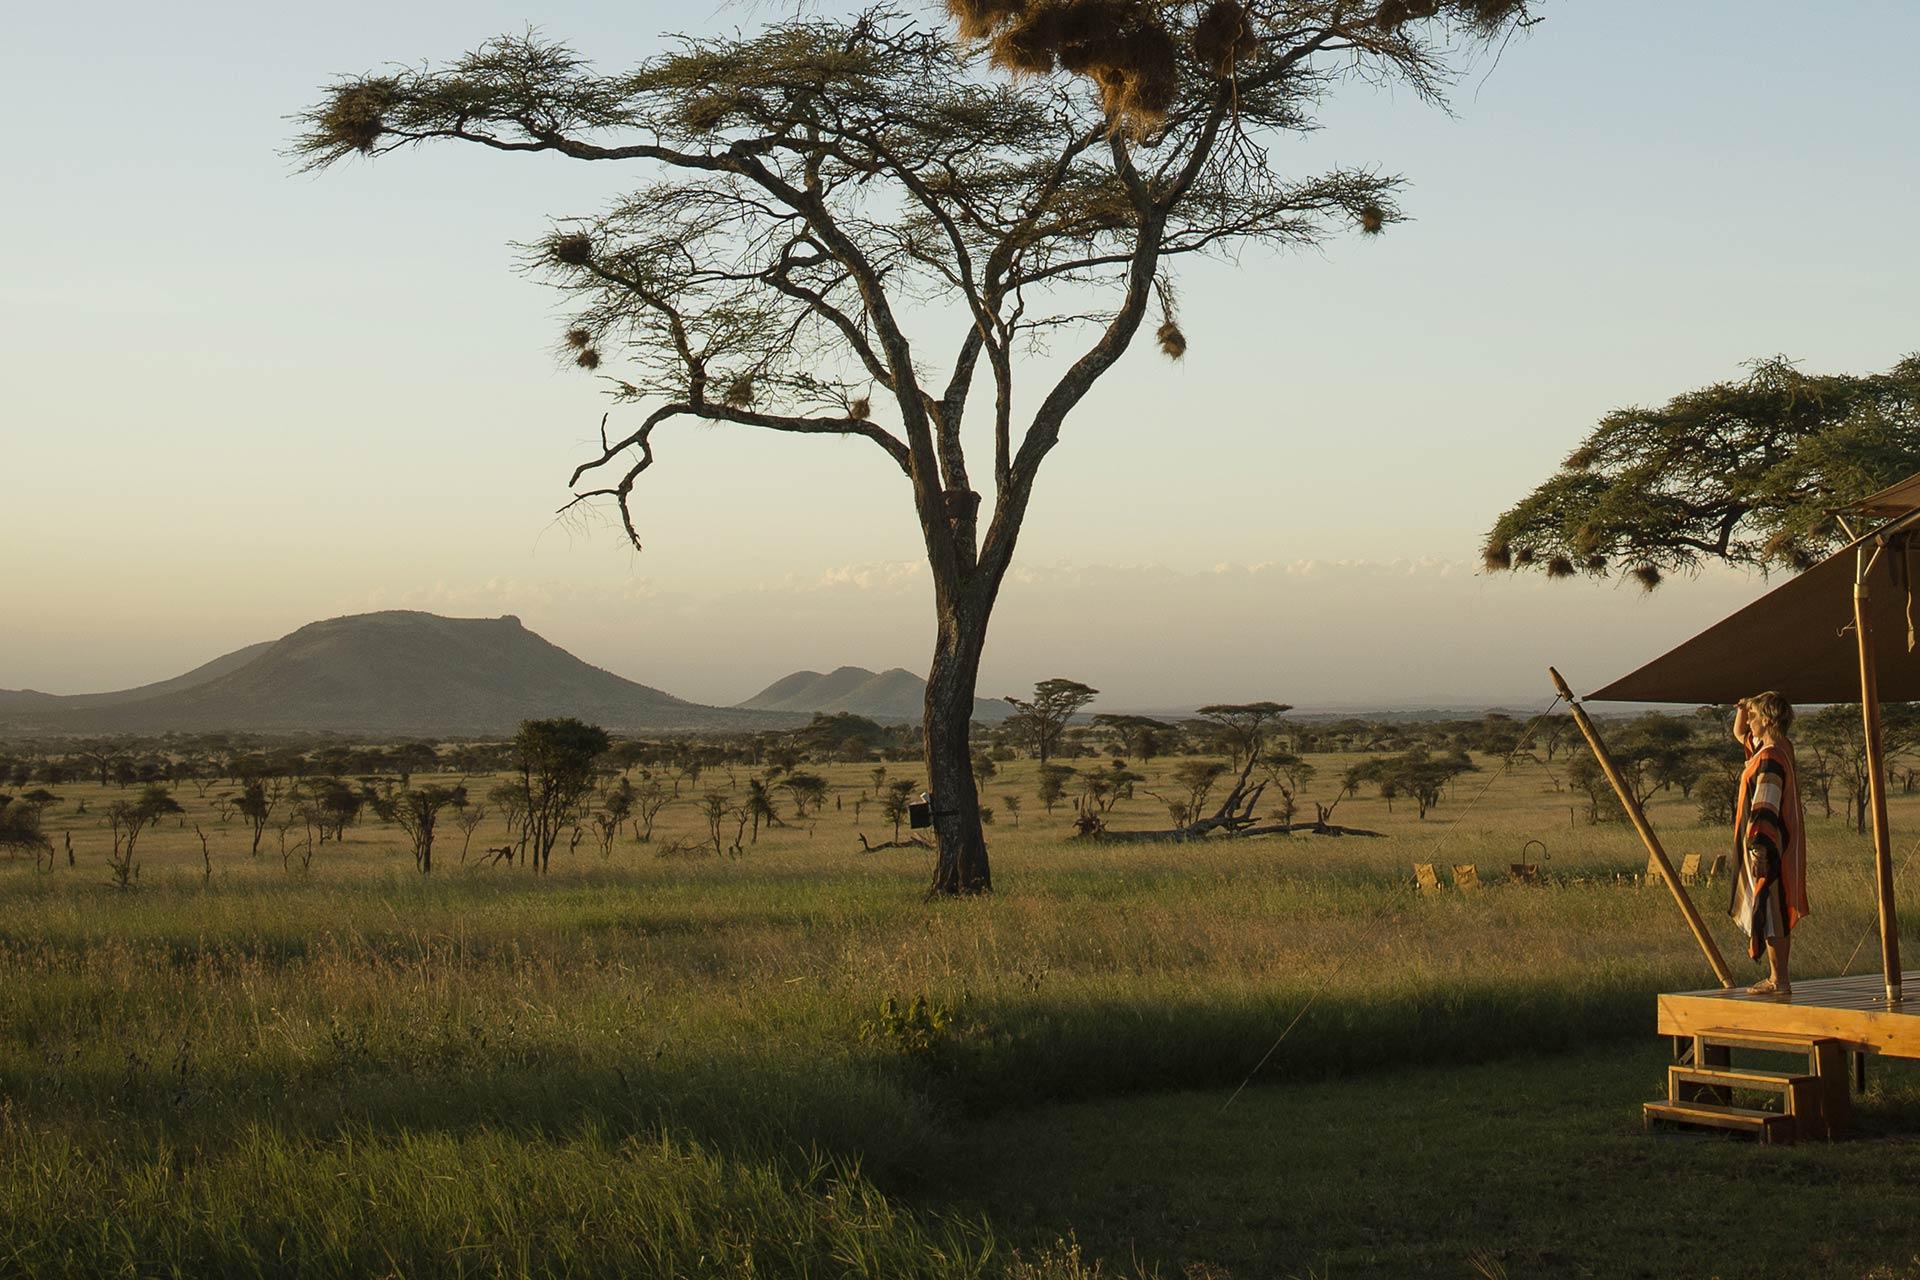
x=896, y=694
x=27, y=700
x=398, y=672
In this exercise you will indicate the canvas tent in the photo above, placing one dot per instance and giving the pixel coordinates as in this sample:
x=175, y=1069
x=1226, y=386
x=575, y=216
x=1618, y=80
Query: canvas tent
x=1798, y=638
x=1843, y=631
x=1891, y=502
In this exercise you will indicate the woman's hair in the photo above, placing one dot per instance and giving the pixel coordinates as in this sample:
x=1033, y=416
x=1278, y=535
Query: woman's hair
x=1771, y=708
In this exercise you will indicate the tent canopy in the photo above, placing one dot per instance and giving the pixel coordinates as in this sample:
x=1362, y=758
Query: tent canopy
x=1891, y=502
x=1798, y=638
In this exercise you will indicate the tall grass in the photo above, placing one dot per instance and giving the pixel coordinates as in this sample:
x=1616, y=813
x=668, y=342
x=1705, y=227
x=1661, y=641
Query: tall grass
x=640, y=1064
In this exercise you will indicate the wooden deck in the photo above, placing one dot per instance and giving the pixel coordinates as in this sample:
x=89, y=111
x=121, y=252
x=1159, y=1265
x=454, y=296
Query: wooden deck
x=1852, y=1010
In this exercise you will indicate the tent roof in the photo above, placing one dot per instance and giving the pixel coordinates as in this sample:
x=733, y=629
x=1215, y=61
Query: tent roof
x=1891, y=502
x=1798, y=639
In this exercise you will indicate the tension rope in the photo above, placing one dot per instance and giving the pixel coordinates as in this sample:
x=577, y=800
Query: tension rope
x=1526, y=737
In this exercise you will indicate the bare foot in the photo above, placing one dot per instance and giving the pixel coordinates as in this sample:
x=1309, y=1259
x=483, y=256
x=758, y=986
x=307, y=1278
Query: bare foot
x=1765, y=987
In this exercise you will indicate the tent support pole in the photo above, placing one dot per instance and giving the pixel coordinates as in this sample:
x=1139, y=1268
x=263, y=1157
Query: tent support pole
x=1627, y=801
x=1876, y=785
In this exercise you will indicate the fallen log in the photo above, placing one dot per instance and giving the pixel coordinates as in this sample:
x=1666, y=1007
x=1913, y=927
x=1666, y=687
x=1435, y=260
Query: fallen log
x=1203, y=830
x=911, y=842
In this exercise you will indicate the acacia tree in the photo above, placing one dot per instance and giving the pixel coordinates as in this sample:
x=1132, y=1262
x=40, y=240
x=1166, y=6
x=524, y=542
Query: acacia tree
x=416, y=811
x=649, y=800
x=20, y=827
x=1835, y=738
x=556, y=761
x=1423, y=776
x=1744, y=473
x=1042, y=719
x=811, y=186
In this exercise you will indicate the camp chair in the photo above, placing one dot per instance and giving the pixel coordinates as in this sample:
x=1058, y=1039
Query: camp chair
x=1717, y=870
x=1425, y=877
x=1690, y=869
x=1652, y=875
x=1466, y=877
x=1525, y=872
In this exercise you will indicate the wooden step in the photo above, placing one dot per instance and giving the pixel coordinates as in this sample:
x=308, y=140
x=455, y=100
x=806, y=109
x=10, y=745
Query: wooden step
x=1817, y=1098
x=1765, y=1041
x=1800, y=1095
x=1741, y=1078
x=1768, y=1126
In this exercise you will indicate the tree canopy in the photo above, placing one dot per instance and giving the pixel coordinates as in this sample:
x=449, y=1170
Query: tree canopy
x=1743, y=472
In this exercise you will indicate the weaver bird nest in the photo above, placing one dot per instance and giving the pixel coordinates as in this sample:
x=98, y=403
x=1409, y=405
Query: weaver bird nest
x=1123, y=46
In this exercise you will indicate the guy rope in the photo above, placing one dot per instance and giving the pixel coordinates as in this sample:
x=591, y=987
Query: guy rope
x=1446, y=834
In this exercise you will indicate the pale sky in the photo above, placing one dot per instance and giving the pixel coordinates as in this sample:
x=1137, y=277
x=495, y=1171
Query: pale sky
x=234, y=399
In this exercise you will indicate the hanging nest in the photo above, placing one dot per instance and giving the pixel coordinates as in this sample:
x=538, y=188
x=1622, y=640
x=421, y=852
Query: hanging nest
x=739, y=394
x=1489, y=16
x=1140, y=83
x=1028, y=45
x=1560, y=567
x=1223, y=36
x=1173, y=343
x=1596, y=564
x=1523, y=557
x=1392, y=13
x=1497, y=556
x=1092, y=32
x=1123, y=46
x=978, y=18
x=1648, y=576
x=1786, y=548
x=860, y=410
x=1582, y=459
x=1373, y=219
x=579, y=339
x=589, y=359
x=575, y=249
x=357, y=115
x=706, y=112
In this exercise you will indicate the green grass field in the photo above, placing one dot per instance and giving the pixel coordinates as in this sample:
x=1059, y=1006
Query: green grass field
x=649, y=1066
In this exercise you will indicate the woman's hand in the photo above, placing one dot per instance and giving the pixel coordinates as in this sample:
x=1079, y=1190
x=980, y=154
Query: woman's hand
x=1740, y=731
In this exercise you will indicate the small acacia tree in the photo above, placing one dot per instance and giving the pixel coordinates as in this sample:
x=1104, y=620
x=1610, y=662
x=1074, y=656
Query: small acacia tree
x=1835, y=740
x=20, y=827
x=648, y=801
x=556, y=760
x=416, y=811
x=1042, y=719
x=810, y=186
x=257, y=801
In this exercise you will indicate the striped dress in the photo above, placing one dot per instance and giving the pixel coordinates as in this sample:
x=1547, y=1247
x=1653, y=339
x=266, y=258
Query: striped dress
x=1769, y=883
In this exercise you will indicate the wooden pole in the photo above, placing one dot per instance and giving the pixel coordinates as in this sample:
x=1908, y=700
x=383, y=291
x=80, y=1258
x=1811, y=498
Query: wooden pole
x=1620, y=788
x=1877, y=785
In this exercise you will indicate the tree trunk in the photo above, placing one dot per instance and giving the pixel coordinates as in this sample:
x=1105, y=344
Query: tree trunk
x=962, y=864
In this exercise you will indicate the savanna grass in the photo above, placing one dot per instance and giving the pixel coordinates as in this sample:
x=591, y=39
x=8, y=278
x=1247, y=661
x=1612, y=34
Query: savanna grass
x=209, y=1070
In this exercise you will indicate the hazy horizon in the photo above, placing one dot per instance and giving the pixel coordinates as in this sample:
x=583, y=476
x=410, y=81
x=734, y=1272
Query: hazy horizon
x=242, y=399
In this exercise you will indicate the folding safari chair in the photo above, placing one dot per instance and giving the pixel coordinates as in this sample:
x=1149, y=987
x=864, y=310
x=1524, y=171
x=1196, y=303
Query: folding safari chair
x=1690, y=869
x=1717, y=870
x=1425, y=877
x=1525, y=872
x=1466, y=877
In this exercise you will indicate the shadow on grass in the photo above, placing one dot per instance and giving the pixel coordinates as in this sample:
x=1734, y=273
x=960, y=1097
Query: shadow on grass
x=1535, y=1166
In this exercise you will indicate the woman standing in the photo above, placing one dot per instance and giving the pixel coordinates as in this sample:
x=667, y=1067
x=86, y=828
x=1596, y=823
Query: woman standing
x=1770, y=852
